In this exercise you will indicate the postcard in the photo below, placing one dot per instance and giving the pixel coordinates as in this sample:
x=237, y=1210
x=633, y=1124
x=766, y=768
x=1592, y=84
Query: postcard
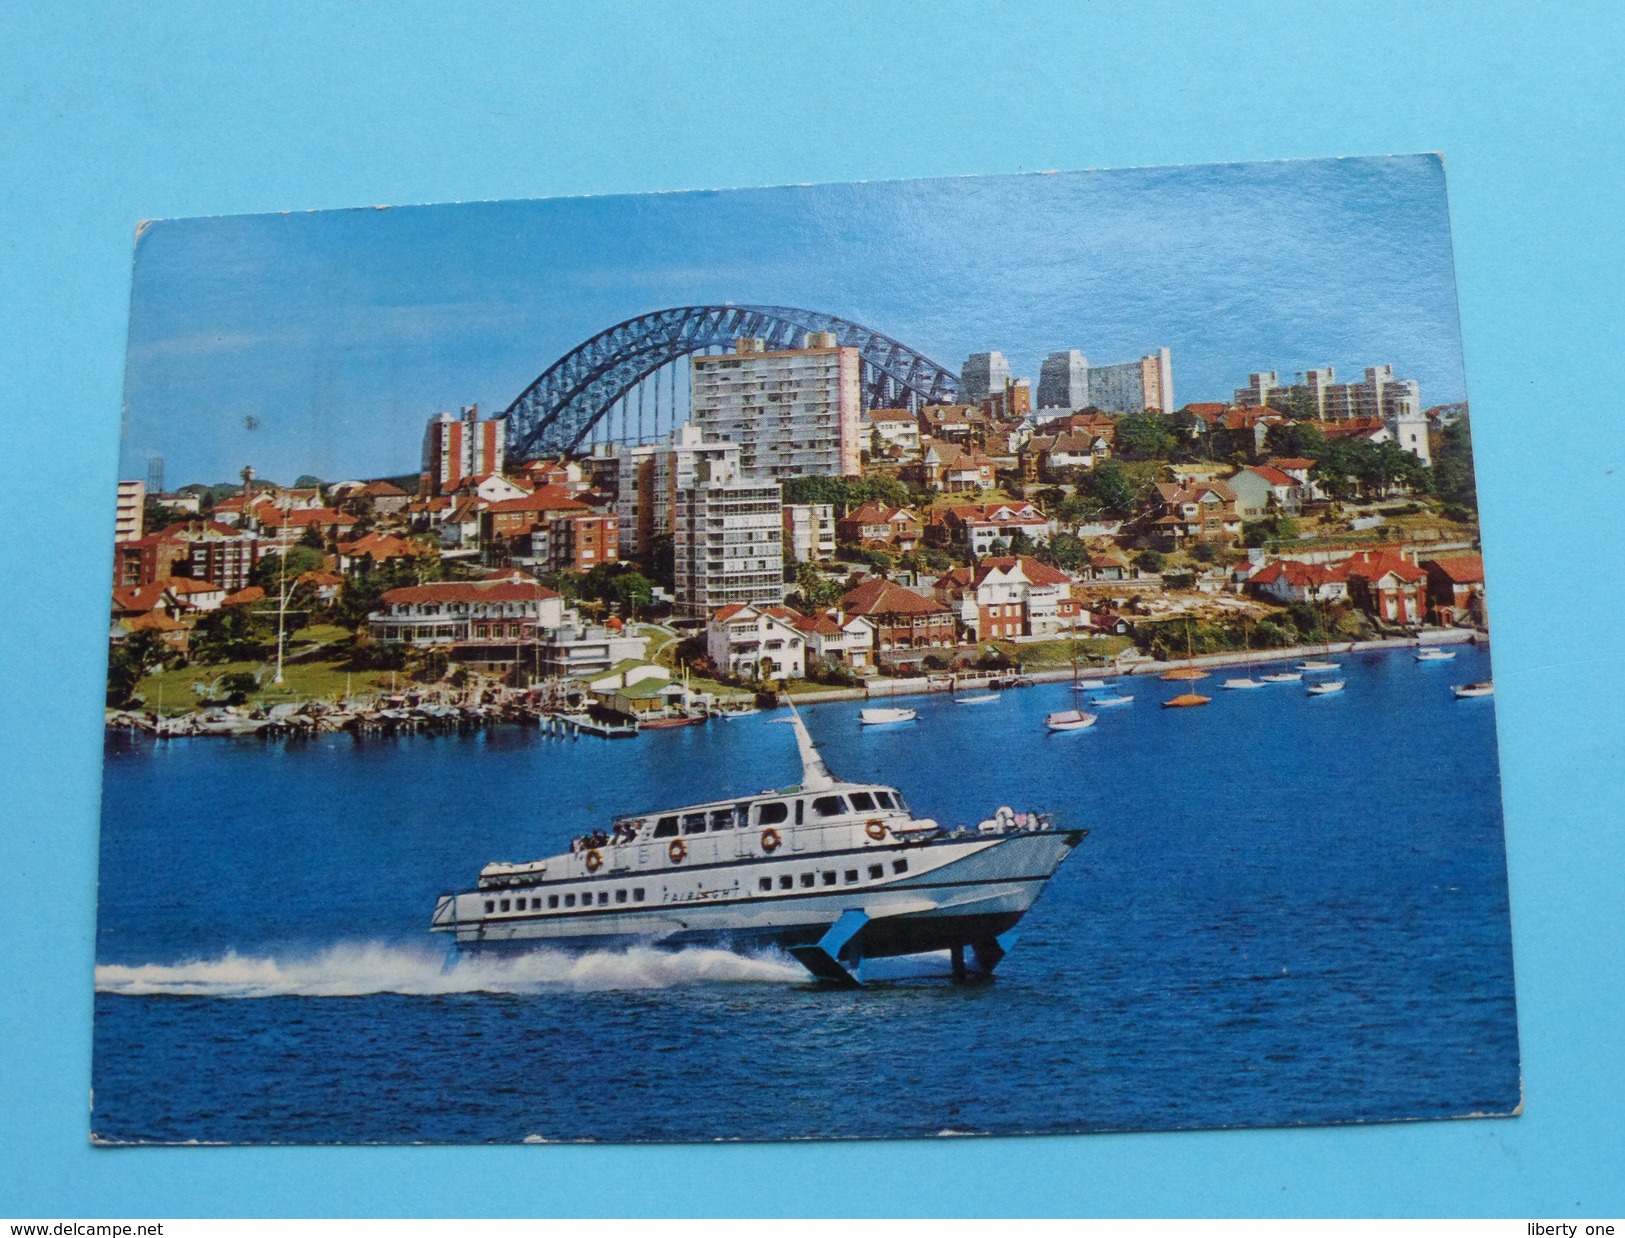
x=982, y=656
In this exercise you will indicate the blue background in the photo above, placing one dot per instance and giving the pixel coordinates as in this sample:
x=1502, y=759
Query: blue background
x=111, y=115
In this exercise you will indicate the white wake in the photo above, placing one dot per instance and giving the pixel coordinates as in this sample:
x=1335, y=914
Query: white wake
x=359, y=969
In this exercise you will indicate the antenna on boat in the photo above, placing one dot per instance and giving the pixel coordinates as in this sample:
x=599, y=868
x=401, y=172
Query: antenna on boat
x=815, y=775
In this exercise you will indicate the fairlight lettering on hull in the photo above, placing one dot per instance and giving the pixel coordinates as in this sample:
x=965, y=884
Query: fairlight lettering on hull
x=831, y=871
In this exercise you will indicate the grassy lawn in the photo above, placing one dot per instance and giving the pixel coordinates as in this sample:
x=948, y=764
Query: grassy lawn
x=1040, y=654
x=302, y=681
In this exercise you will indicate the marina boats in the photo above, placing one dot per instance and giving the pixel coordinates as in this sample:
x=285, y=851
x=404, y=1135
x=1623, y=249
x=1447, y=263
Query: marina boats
x=1466, y=691
x=1069, y=720
x=1325, y=687
x=1283, y=677
x=1242, y=684
x=885, y=715
x=833, y=872
x=1313, y=665
x=978, y=698
x=1077, y=718
x=1110, y=698
x=1435, y=655
x=1186, y=700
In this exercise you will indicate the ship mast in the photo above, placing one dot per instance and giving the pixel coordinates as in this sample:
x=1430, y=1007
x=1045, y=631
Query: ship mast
x=815, y=775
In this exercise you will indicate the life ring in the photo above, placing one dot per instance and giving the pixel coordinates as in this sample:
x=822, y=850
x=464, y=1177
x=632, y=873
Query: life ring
x=678, y=851
x=875, y=829
x=771, y=840
x=594, y=861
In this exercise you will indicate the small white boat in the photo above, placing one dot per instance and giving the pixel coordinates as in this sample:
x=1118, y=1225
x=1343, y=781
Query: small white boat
x=1242, y=683
x=1069, y=720
x=1094, y=685
x=1465, y=691
x=1315, y=665
x=1116, y=698
x=1325, y=687
x=981, y=698
x=1435, y=655
x=880, y=717
x=1283, y=677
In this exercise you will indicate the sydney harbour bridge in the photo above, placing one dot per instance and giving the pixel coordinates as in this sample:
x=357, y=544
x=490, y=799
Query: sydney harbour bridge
x=629, y=384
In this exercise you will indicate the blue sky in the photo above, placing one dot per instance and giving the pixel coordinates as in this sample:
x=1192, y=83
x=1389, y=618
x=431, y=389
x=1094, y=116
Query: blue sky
x=336, y=334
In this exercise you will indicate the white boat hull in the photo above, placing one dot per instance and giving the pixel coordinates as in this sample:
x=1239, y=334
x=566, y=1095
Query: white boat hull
x=884, y=717
x=955, y=891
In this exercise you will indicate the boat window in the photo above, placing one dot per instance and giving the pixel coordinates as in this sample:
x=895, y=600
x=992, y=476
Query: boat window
x=694, y=823
x=490, y=906
x=876, y=872
x=899, y=866
x=722, y=818
x=764, y=883
x=807, y=879
x=742, y=815
x=851, y=874
x=884, y=797
x=569, y=900
x=902, y=804
x=786, y=881
x=772, y=812
x=829, y=805
x=603, y=898
x=829, y=879
x=665, y=827
x=504, y=904
x=637, y=895
x=862, y=801
x=620, y=895
x=799, y=805
x=552, y=902
x=518, y=904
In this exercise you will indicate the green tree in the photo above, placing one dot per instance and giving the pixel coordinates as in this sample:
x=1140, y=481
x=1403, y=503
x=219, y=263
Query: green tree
x=130, y=663
x=1149, y=560
x=269, y=571
x=1144, y=436
x=817, y=590
x=1065, y=552
x=229, y=634
x=1454, y=481
x=630, y=591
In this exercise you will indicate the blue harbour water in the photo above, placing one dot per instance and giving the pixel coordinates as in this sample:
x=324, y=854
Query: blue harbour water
x=1288, y=910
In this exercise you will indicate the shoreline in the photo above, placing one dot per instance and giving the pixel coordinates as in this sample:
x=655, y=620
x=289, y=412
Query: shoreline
x=885, y=689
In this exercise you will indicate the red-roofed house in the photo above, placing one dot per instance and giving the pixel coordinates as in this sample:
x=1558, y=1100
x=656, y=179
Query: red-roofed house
x=1007, y=597
x=1455, y=588
x=903, y=620
x=837, y=637
x=156, y=598
x=288, y=526
x=978, y=525
x=1383, y=584
x=950, y=467
x=876, y=524
x=898, y=430
x=174, y=634
x=1287, y=580
x=1198, y=510
x=464, y=612
x=196, y=595
x=757, y=642
x=201, y=549
x=373, y=551
x=244, y=597
x=549, y=529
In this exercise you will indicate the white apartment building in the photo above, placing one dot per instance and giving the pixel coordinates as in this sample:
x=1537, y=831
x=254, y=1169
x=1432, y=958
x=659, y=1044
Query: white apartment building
x=650, y=477
x=1397, y=401
x=793, y=413
x=727, y=543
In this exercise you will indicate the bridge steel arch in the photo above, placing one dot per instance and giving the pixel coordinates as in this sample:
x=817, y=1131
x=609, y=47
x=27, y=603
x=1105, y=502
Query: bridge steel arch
x=558, y=411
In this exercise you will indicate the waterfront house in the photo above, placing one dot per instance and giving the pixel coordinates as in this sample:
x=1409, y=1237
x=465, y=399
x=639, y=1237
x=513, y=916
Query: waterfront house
x=1455, y=588
x=903, y=619
x=1001, y=598
x=1385, y=585
x=466, y=614
x=757, y=642
x=837, y=637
